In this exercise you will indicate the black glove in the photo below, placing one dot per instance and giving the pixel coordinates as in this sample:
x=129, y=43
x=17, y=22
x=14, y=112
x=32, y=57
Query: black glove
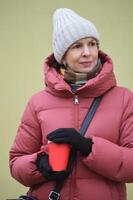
x=73, y=137
x=44, y=167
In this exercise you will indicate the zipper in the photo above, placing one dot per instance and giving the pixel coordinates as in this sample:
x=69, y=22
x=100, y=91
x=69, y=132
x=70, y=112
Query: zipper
x=73, y=174
x=76, y=99
x=76, y=110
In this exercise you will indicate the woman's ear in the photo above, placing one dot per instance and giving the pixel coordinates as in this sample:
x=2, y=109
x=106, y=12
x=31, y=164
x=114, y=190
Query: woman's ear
x=63, y=62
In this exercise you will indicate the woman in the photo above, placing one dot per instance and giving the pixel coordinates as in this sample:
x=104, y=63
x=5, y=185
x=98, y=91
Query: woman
x=76, y=73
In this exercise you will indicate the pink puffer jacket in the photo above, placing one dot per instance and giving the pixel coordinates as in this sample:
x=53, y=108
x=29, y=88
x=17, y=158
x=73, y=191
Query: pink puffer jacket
x=103, y=174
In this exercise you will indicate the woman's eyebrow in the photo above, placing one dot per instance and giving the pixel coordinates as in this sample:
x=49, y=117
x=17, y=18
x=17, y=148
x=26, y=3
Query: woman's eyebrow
x=78, y=42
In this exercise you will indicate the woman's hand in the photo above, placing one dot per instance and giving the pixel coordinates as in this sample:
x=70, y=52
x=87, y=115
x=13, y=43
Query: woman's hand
x=73, y=137
x=44, y=167
x=46, y=170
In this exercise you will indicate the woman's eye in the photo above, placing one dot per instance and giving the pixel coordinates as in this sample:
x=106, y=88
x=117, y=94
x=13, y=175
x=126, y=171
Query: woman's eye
x=76, y=46
x=92, y=44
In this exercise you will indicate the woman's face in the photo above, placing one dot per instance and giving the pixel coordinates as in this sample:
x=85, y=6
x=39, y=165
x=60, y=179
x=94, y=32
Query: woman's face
x=82, y=55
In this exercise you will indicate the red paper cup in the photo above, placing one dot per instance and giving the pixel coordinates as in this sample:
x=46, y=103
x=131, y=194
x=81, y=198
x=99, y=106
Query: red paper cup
x=58, y=156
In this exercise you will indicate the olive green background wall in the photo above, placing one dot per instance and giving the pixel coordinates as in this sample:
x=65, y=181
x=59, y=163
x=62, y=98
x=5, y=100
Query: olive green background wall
x=25, y=40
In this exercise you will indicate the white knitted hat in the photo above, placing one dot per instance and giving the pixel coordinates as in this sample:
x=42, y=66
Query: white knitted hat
x=68, y=28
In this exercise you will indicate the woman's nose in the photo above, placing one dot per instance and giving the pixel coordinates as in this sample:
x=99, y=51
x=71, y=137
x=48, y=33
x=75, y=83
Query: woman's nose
x=86, y=51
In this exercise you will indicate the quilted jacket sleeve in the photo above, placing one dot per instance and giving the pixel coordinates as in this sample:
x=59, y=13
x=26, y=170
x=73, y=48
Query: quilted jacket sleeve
x=26, y=146
x=115, y=161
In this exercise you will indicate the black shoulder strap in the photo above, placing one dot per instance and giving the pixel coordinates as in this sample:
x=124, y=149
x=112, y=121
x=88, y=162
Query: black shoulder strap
x=89, y=116
x=54, y=195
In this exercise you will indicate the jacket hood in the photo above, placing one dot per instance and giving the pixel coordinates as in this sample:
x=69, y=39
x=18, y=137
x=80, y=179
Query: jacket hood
x=96, y=86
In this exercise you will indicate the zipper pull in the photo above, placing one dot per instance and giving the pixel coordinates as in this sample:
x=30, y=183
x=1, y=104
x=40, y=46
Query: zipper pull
x=76, y=99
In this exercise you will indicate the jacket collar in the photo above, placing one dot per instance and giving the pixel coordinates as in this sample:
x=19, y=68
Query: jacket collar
x=96, y=86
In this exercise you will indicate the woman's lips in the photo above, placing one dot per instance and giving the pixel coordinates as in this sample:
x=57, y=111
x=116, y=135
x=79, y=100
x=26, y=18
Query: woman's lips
x=86, y=63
